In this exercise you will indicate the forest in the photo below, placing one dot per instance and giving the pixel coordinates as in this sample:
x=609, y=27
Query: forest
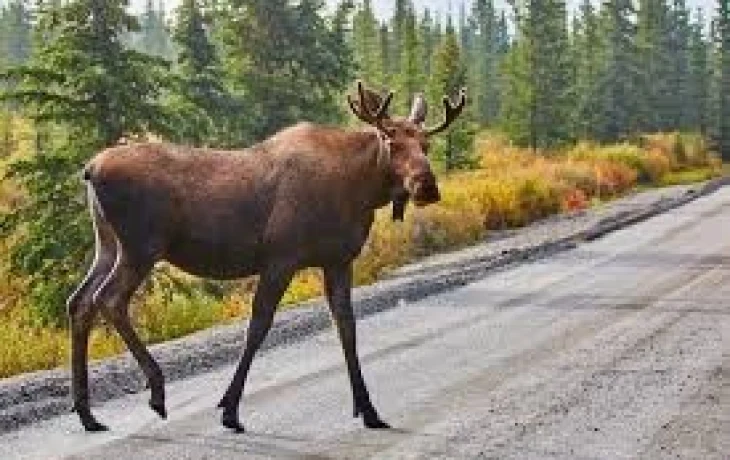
x=565, y=106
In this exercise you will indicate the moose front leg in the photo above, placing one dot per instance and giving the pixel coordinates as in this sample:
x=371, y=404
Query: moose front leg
x=272, y=285
x=338, y=286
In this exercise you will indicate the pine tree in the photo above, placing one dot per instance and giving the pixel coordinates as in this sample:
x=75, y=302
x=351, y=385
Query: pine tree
x=679, y=84
x=411, y=79
x=466, y=32
x=588, y=59
x=91, y=91
x=541, y=88
x=386, y=49
x=449, y=74
x=367, y=47
x=201, y=100
x=286, y=62
x=723, y=36
x=483, y=63
x=699, y=100
x=400, y=15
x=618, y=98
x=654, y=42
x=427, y=39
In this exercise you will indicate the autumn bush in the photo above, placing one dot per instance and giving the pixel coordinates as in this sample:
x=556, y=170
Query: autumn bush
x=511, y=187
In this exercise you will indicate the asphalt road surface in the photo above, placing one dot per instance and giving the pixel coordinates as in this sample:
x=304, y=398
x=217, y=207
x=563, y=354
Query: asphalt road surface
x=612, y=350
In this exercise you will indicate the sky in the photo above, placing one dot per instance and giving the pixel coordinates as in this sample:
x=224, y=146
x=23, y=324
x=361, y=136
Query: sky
x=384, y=8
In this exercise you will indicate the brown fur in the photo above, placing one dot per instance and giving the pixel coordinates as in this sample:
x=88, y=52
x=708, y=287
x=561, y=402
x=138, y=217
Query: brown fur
x=305, y=197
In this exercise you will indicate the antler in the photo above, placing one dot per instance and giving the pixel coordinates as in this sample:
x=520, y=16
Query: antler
x=452, y=112
x=362, y=110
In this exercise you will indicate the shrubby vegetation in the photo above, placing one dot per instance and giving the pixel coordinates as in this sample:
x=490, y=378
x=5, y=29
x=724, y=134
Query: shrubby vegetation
x=566, y=100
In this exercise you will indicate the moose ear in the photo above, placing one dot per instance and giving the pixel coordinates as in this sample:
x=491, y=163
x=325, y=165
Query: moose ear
x=419, y=110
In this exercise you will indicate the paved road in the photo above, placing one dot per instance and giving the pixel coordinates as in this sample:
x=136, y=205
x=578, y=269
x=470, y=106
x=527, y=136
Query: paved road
x=612, y=350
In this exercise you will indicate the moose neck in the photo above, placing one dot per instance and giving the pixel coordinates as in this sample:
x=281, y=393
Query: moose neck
x=371, y=172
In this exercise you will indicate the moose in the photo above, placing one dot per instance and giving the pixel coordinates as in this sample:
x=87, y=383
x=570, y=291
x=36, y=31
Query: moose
x=305, y=197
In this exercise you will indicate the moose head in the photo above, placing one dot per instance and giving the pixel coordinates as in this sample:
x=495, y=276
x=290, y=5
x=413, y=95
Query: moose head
x=406, y=143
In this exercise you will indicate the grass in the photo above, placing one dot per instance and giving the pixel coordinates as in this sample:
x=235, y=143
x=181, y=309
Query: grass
x=512, y=187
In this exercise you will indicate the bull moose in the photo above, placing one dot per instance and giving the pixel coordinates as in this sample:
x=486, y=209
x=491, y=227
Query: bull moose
x=305, y=197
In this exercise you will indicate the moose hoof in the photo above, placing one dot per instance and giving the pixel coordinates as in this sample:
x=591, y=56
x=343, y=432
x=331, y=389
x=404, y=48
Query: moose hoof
x=375, y=423
x=159, y=408
x=232, y=423
x=89, y=421
x=92, y=426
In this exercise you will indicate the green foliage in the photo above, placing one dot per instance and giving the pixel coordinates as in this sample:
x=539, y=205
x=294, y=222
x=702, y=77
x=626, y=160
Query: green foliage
x=723, y=37
x=698, y=90
x=50, y=229
x=85, y=76
x=201, y=100
x=448, y=74
x=483, y=61
x=455, y=149
x=617, y=92
x=539, y=91
x=588, y=61
x=366, y=45
x=411, y=79
x=86, y=84
x=285, y=62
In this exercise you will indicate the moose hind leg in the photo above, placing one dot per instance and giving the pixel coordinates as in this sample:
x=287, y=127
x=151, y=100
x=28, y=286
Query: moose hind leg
x=271, y=287
x=338, y=285
x=114, y=296
x=81, y=313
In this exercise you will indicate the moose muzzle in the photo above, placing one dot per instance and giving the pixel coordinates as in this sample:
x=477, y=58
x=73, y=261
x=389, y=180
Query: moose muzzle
x=423, y=189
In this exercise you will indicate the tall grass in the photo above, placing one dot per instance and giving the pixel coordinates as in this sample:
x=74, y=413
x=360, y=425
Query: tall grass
x=510, y=188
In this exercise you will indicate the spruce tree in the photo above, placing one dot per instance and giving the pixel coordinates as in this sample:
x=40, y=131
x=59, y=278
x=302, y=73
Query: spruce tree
x=386, y=49
x=401, y=11
x=454, y=150
x=723, y=37
x=699, y=99
x=366, y=46
x=466, y=32
x=540, y=91
x=679, y=78
x=618, y=89
x=427, y=39
x=90, y=90
x=201, y=100
x=588, y=59
x=285, y=61
x=411, y=79
x=483, y=63
x=654, y=42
